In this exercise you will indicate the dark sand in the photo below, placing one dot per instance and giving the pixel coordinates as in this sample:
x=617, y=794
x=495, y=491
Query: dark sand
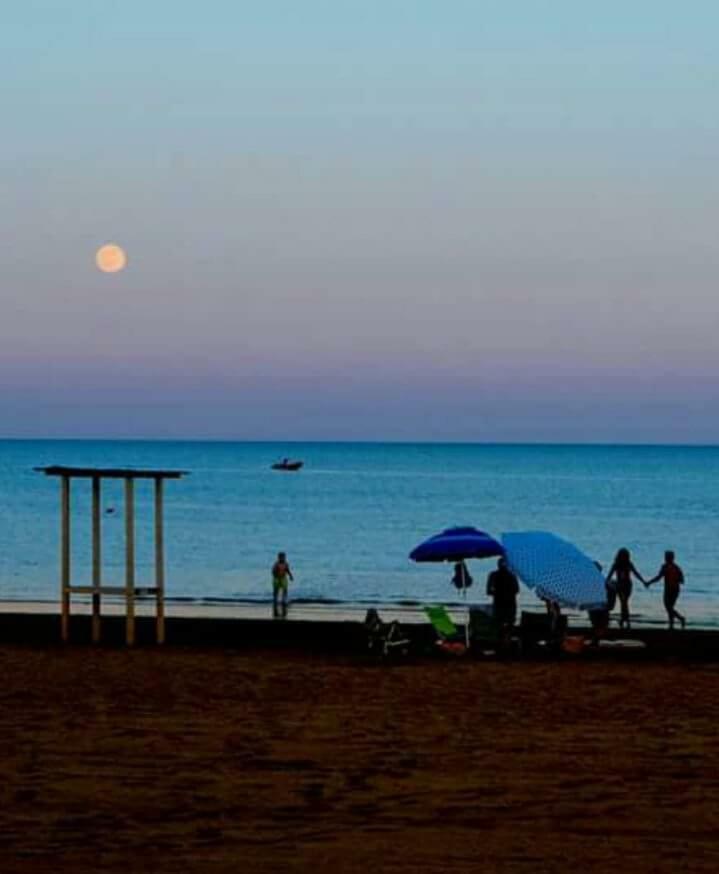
x=190, y=760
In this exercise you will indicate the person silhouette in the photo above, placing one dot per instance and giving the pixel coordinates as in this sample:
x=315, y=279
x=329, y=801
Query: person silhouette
x=503, y=588
x=673, y=577
x=281, y=575
x=620, y=574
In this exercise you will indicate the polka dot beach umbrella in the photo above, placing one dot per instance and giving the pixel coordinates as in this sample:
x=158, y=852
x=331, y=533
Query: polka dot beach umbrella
x=556, y=569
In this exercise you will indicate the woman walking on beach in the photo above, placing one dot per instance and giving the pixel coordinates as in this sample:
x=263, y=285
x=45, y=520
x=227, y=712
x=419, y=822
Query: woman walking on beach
x=673, y=577
x=621, y=573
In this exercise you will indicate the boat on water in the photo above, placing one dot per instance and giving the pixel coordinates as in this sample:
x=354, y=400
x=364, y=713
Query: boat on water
x=287, y=464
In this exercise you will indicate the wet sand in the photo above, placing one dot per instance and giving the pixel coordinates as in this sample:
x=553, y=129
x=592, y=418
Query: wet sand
x=213, y=760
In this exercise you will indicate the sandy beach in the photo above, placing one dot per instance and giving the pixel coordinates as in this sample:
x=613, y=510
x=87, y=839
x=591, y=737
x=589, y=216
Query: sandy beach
x=199, y=760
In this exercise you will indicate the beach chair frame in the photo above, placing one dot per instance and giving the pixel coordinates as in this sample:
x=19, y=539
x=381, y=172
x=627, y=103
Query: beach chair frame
x=385, y=638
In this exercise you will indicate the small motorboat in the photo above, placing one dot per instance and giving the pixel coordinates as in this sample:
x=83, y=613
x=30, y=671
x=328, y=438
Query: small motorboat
x=286, y=464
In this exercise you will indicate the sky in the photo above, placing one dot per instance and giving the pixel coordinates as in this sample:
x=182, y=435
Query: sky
x=479, y=221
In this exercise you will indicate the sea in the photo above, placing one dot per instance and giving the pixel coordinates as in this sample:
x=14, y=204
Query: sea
x=349, y=519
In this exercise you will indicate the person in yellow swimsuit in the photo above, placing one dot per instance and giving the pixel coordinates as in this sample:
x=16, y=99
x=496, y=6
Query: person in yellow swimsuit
x=281, y=576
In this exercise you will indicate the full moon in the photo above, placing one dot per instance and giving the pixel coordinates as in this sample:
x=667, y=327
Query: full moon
x=110, y=258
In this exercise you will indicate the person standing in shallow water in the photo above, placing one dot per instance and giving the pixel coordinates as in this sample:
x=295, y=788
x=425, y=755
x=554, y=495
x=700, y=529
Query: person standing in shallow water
x=281, y=576
x=673, y=577
x=621, y=573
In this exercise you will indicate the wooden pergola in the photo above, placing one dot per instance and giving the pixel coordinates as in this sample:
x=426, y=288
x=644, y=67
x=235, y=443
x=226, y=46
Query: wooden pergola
x=97, y=589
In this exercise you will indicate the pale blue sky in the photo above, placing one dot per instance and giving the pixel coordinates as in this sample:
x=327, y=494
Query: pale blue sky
x=403, y=220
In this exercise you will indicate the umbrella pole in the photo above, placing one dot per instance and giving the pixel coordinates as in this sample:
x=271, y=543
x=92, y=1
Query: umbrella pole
x=466, y=618
x=463, y=572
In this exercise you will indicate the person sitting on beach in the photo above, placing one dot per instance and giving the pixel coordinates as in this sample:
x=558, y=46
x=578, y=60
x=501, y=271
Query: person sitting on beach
x=461, y=579
x=673, y=577
x=281, y=575
x=620, y=575
x=503, y=588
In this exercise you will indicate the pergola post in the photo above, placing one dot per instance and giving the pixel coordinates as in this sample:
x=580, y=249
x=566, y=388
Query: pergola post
x=65, y=557
x=96, y=559
x=159, y=563
x=130, y=560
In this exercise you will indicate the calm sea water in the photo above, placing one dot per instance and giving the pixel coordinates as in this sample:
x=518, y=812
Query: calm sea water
x=349, y=519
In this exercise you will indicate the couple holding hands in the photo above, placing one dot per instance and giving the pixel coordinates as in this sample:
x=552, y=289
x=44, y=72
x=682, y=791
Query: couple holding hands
x=619, y=585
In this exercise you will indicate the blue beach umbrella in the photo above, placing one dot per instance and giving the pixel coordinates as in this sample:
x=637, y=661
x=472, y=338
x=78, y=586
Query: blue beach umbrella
x=556, y=569
x=457, y=544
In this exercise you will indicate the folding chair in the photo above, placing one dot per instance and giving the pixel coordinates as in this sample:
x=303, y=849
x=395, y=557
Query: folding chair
x=385, y=638
x=449, y=638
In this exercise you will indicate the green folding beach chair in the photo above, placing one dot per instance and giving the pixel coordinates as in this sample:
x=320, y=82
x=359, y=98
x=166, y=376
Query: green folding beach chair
x=441, y=620
x=450, y=638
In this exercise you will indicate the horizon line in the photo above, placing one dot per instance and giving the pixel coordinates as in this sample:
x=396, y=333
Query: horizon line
x=360, y=441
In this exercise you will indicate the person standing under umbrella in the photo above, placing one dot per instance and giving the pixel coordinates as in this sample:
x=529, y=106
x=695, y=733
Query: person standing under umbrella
x=503, y=588
x=621, y=571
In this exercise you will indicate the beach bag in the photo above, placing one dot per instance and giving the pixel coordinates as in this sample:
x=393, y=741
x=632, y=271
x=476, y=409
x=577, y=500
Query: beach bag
x=452, y=648
x=573, y=645
x=457, y=580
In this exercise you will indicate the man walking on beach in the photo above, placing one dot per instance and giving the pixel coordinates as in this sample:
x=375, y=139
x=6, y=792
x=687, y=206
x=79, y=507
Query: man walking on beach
x=673, y=577
x=281, y=575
